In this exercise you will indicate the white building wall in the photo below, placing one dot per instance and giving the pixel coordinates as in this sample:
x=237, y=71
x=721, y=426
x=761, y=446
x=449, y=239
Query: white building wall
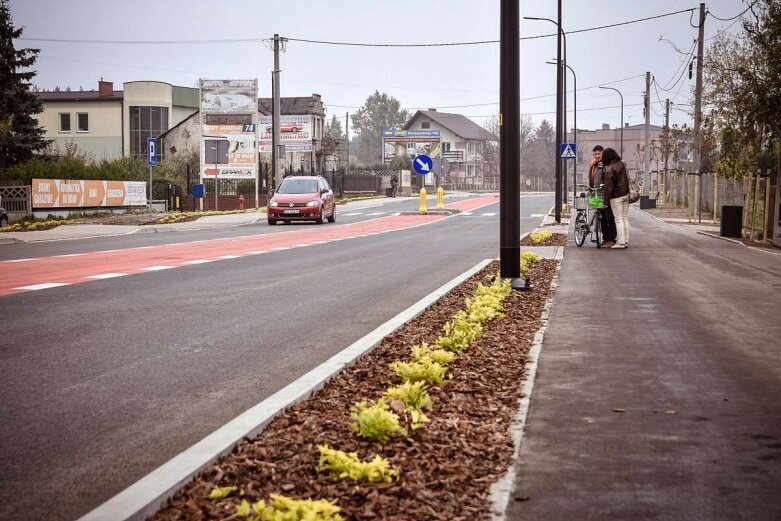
x=103, y=139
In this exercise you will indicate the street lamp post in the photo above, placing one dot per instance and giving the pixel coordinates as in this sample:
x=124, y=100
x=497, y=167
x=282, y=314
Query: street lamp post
x=560, y=101
x=622, y=117
x=575, y=124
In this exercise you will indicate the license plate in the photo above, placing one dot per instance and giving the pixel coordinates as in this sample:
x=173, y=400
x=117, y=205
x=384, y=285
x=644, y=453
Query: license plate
x=296, y=212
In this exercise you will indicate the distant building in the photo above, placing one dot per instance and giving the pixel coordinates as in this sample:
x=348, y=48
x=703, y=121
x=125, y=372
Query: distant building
x=634, y=142
x=467, y=146
x=108, y=123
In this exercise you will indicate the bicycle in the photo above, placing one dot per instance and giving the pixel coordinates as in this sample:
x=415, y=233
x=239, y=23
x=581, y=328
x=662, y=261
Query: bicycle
x=585, y=226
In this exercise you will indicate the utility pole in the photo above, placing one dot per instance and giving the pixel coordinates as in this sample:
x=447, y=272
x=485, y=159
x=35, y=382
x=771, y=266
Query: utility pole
x=647, y=148
x=698, y=92
x=277, y=136
x=666, y=145
x=559, y=106
x=347, y=136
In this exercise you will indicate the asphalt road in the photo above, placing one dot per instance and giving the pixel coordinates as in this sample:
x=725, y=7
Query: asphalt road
x=104, y=381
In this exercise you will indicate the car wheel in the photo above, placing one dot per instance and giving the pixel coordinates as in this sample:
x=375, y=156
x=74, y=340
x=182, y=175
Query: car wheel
x=272, y=222
x=321, y=219
x=332, y=219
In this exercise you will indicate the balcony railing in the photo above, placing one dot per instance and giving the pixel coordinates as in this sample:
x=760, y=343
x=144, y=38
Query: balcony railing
x=454, y=155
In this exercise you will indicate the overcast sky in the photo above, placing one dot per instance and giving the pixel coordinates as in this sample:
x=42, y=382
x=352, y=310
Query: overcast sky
x=449, y=78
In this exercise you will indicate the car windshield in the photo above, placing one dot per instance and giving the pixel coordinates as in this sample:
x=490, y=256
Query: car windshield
x=298, y=186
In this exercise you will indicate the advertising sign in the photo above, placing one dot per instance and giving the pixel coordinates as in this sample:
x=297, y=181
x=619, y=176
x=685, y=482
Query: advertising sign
x=68, y=193
x=241, y=156
x=229, y=96
x=410, y=143
x=296, y=133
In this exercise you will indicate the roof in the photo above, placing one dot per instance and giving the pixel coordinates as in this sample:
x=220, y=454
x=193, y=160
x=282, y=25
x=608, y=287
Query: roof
x=459, y=124
x=294, y=106
x=78, y=95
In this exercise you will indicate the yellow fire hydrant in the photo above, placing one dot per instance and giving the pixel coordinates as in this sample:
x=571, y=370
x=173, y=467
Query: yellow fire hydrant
x=422, y=208
x=441, y=198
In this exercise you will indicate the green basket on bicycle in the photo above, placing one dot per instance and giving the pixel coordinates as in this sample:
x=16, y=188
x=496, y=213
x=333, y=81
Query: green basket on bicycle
x=595, y=200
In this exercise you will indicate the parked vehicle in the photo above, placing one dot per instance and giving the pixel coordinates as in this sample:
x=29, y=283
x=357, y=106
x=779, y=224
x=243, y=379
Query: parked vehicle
x=304, y=198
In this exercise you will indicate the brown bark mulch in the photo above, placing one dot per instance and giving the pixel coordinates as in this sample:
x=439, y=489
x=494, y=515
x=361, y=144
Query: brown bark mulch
x=557, y=239
x=446, y=468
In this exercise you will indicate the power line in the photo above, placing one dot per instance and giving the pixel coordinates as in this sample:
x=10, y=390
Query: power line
x=733, y=17
x=351, y=44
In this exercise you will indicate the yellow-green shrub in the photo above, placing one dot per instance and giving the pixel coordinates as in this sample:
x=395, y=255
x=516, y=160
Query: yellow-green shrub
x=423, y=370
x=540, y=236
x=282, y=508
x=343, y=466
x=459, y=333
x=527, y=260
x=440, y=356
x=222, y=492
x=376, y=422
x=413, y=395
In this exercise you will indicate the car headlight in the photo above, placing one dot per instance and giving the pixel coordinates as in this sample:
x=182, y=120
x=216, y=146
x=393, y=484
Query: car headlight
x=313, y=203
x=273, y=204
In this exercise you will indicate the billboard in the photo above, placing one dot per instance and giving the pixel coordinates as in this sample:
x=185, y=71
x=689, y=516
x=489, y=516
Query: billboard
x=229, y=96
x=229, y=111
x=70, y=193
x=410, y=143
x=238, y=161
x=296, y=133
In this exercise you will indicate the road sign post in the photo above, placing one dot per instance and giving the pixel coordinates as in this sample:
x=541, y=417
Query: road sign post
x=151, y=156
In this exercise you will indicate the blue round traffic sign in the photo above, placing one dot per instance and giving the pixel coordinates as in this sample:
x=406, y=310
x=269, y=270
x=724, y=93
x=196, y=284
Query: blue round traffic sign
x=422, y=164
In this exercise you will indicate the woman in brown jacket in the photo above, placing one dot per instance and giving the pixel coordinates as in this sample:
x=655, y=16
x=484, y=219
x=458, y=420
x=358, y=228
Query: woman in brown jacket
x=616, y=194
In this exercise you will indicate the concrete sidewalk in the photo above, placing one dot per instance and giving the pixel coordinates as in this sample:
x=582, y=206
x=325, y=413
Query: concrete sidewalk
x=657, y=388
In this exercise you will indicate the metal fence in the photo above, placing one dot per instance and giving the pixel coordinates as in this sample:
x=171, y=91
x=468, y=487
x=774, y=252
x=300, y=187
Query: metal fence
x=16, y=201
x=701, y=197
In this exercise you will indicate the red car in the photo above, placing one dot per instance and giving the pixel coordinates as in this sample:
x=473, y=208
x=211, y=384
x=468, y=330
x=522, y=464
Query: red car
x=302, y=198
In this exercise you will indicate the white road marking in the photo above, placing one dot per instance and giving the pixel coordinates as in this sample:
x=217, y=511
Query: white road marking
x=106, y=276
x=198, y=261
x=466, y=213
x=71, y=255
x=45, y=285
x=281, y=248
x=537, y=215
x=157, y=268
x=226, y=257
x=256, y=252
x=376, y=213
x=107, y=251
x=350, y=214
x=488, y=214
x=20, y=260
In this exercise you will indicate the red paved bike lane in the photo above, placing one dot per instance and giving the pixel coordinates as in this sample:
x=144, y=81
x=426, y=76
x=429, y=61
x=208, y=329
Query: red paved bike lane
x=48, y=272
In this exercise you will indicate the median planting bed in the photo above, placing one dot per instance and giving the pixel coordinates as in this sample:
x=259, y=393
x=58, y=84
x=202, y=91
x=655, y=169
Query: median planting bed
x=415, y=429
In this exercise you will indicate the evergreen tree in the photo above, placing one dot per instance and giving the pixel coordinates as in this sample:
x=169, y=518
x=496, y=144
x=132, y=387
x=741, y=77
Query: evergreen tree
x=20, y=134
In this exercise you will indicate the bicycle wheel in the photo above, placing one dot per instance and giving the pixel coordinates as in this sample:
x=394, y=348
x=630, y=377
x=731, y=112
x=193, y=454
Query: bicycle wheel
x=598, y=228
x=581, y=229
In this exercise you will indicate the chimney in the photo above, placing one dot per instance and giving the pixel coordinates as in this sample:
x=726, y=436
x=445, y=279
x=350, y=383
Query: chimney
x=626, y=125
x=432, y=110
x=605, y=126
x=105, y=88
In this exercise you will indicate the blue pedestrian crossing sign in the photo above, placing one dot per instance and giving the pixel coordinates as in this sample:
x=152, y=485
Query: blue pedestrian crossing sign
x=569, y=150
x=422, y=164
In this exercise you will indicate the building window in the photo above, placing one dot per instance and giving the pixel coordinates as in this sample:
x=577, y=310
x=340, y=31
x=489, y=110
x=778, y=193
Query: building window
x=471, y=147
x=146, y=122
x=65, y=122
x=425, y=124
x=82, y=122
x=446, y=146
x=470, y=170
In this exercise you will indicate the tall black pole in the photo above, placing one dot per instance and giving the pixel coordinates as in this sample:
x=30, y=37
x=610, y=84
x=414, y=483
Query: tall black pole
x=565, y=133
x=510, y=142
x=559, y=106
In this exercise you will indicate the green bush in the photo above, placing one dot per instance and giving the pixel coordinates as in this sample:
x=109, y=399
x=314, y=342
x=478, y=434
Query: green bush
x=376, y=422
x=343, y=466
x=282, y=508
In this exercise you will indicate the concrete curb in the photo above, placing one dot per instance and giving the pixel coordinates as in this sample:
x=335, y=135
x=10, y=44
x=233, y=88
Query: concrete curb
x=147, y=495
x=499, y=494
